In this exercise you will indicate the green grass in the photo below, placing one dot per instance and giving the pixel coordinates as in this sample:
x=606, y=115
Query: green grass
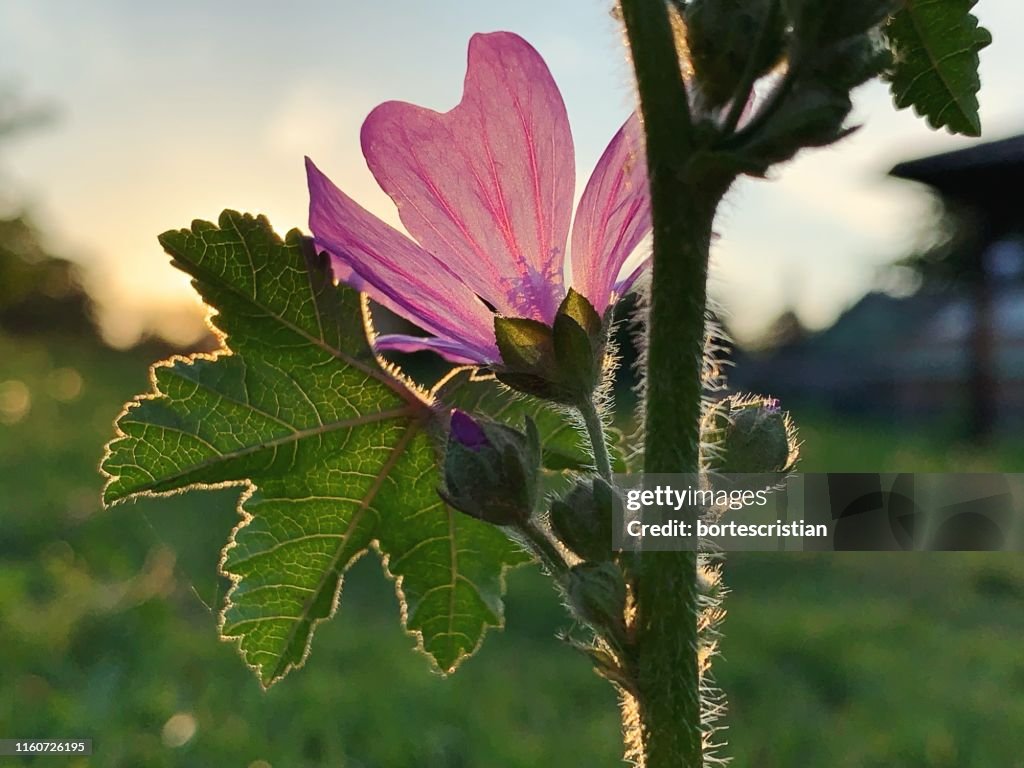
x=829, y=660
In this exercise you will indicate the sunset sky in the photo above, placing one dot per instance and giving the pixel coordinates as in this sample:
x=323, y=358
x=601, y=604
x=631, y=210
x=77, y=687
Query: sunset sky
x=169, y=112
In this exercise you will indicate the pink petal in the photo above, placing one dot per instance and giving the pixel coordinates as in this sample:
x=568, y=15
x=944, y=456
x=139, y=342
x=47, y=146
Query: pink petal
x=613, y=215
x=450, y=350
x=623, y=286
x=403, y=276
x=344, y=273
x=487, y=187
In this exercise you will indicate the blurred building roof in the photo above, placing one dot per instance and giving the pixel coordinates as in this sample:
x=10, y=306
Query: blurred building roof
x=981, y=175
x=906, y=356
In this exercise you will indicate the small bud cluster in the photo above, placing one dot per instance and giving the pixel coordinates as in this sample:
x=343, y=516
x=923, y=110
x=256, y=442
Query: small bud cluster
x=595, y=588
x=819, y=49
x=492, y=473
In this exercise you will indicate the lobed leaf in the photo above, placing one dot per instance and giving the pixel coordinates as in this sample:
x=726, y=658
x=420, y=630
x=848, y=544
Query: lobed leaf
x=336, y=455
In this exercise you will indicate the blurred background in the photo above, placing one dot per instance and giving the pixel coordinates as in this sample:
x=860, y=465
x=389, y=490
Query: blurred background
x=877, y=286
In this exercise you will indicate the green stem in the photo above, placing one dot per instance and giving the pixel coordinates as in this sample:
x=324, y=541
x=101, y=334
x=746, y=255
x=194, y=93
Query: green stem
x=598, y=443
x=545, y=550
x=685, y=190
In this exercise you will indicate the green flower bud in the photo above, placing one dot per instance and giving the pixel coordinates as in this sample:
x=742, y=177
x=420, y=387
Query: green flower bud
x=852, y=62
x=583, y=520
x=491, y=471
x=819, y=23
x=749, y=435
x=835, y=45
x=721, y=36
x=597, y=594
x=562, y=362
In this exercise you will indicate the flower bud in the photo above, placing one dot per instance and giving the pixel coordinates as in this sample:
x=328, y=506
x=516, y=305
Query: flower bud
x=583, y=520
x=819, y=23
x=749, y=435
x=562, y=362
x=491, y=471
x=597, y=594
x=721, y=35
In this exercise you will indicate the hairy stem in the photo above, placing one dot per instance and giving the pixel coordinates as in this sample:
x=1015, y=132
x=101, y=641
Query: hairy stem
x=598, y=443
x=685, y=190
x=544, y=549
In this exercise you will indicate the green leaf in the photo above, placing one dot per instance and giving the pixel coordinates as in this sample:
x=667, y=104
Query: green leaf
x=336, y=455
x=936, y=44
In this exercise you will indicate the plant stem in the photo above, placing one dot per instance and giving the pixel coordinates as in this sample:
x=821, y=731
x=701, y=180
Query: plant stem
x=545, y=549
x=598, y=443
x=685, y=190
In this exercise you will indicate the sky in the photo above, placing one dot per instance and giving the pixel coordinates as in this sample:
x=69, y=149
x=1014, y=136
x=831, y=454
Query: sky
x=165, y=113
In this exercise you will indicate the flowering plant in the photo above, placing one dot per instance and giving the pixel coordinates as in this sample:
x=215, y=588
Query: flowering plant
x=340, y=452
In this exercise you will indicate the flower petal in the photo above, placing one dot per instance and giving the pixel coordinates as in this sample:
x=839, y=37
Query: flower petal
x=613, y=215
x=410, y=281
x=467, y=431
x=487, y=187
x=344, y=273
x=625, y=285
x=446, y=348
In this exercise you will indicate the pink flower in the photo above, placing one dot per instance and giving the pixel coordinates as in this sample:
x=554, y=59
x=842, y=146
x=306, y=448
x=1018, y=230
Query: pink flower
x=486, y=190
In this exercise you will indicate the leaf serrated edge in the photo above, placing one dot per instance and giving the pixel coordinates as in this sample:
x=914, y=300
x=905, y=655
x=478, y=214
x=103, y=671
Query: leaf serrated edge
x=474, y=374
x=403, y=604
x=279, y=672
x=402, y=385
x=982, y=39
x=120, y=435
